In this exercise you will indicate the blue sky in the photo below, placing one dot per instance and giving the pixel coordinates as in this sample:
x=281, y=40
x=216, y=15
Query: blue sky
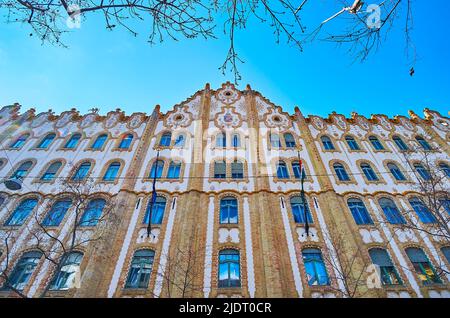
x=114, y=69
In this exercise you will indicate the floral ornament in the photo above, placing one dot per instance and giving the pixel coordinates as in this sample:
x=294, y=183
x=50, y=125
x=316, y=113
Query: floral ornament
x=276, y=119
x=39, y=120
x=228, y=118
x=363, y=123
x=384, y=122
x=340, y=122
x=179, y=117
x=112, y=120
x=64, y=119
x=87, y=120
x=406, y=123
x=135, y=121
x=228, y=94
x=318, y=122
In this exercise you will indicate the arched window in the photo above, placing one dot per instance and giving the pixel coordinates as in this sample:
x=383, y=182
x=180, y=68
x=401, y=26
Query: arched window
x=359, y=211
x=275, y=141
x=228, y=210
x=445, y=168
x=423, y=143
x=446, y=251
x=221, y=140
x=22, y=171
x=236, y=141
x=57, y=212
x=157, y=169
x=422, y=210
x=400, y=143
x=289, y=140
x=237, y=170
x=174, y=170
x=112, y=171
x=179, y=141
x=389, y=275
x=220, y=169
x=396, y=172
x=99, y=142
x=341, y=172
x=296, y=169
x=368, y=172
x=316, y=273
x=46, y=141
x=327, y=143
x=376, y=143
x=23, y=270
x=19, y=142
x=73, y=141
x=351, y=142
x=157, y=210
x=82, y=171
x=423, y=173
x=65, y=277
x=140, y=269
x=229, y=269
x=298, y=210
x=282, y=172
x=22, y=211
x=51, y=171
x=125, y=143
x=92, y=213
x=422, y=266
x=391, y=211
x=165, y=139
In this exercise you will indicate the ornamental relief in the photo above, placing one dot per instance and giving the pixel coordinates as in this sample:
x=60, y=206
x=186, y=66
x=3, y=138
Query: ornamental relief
x=39, y=120
x=363, y=123
x=180, y=117
x=340, y=122
x=111, y=120
x=276, y=119
x=228, y=118
x=406, y=123
x=318, y=123
x=135, y=121
x=384, y=123
x=228, y=94
x=64, y=119
x=87, y=121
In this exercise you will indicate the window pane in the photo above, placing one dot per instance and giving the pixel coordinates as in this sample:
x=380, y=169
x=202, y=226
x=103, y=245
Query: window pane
x=229, y=269
x=165, y=139
x=65, y=278
x=157, y=169
x=220, y=169
x=21, y=212
x=391, y=211
x=112, y=172
x=298, y=210
x=51, y=171
x=23, y=270
x=237, y=170
x=82, y=171
x=47, y=141
x=422, y=211
x=98, y=144
x=93, y=212
x=126, y=142
x=56, y=213
x=73, y=141
x=174, y=170
x=289, y=139
x=228, y=210
x=140, y=269
x=157, y=210
x=316, y=273
x=359, y=212
x=282, y=172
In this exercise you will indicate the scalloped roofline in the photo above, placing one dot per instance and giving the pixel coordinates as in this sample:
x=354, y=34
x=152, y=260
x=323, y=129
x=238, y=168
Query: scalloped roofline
x=16, y=107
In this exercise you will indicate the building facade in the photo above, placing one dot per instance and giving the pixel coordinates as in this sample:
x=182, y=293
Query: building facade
x=228, y=210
